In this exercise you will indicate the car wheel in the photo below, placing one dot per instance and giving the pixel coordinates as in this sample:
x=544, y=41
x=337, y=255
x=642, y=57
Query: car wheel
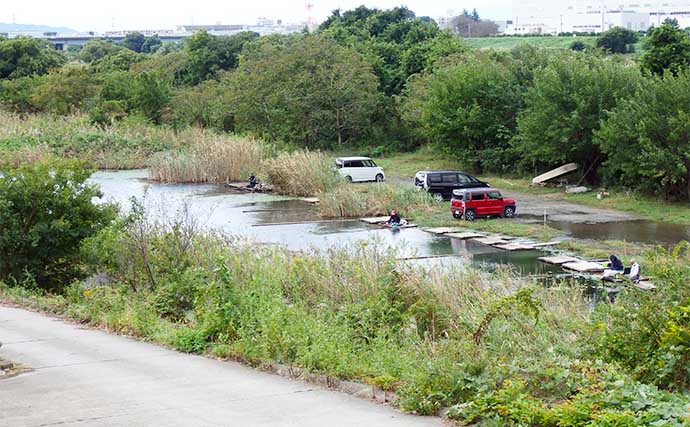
x=438, y=197
x=509, y=212
x=348, y=178
x=470, y=215
x=379, y=178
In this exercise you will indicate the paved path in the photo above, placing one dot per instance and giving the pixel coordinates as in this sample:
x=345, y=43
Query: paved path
x=85, y=377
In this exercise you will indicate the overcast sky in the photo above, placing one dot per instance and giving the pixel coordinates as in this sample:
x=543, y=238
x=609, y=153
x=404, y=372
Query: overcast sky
x=99, y=15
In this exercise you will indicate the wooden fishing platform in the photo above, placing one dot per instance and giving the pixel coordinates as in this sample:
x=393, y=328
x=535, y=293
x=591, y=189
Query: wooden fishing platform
x=445, y=230
x=375, y=219
x=493, y=240
x=558, y=259
x=514, y=246
x=582, y=266
x=465, y=235
x=242, y=186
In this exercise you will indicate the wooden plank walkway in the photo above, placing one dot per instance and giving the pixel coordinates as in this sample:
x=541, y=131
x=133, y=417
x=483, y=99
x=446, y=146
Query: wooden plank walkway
x=583, y=266
x=375, y=219
x=558, y=259
x=465, y=235
x=445, y=230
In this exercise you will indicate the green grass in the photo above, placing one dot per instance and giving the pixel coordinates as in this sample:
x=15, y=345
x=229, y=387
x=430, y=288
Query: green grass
x=506, y=43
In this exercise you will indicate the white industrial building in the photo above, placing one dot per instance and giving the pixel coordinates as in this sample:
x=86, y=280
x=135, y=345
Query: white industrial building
x=558, y=16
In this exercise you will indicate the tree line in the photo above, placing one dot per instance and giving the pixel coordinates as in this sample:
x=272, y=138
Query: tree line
x=389, y=80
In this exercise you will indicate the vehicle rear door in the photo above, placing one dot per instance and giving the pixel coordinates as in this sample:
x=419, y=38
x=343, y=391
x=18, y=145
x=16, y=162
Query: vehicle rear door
x=435, y=183
x=494, y=203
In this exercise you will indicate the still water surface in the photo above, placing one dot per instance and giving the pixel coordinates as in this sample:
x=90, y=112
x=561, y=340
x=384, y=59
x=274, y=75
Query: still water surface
x=219, y=208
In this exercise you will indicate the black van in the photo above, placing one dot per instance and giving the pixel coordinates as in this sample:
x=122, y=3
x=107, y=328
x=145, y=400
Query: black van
x=442, y=183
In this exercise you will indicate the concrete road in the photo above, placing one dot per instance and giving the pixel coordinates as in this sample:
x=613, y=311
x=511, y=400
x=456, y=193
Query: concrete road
x=85, y=377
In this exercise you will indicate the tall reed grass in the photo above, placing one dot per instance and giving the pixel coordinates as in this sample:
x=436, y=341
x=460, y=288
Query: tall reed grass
x=358, y=200
x=221, y=159
x=302, y=173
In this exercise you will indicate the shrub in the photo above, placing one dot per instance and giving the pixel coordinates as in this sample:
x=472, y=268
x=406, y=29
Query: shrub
x=350, y=200
x=302, y=173
x=46, y=211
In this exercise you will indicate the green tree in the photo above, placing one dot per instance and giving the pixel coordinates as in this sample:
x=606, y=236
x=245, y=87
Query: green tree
x=565, y=106
x=67, y=90
x=647, y=138
x=122, y=60
x=97, y=49
x=151, y=44
x=134, y=42
x=329, y=95
x=46, y=211
x=394, y=41
x=469, y=108
x=667, y=48
x=617, y=40
x=151, y=94
x=27, y=56
x=209, y=54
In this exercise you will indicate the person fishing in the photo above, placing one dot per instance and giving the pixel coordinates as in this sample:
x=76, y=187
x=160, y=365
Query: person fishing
x=614, y=267
x=634, y=274
x=251, y=181
x=394, y=220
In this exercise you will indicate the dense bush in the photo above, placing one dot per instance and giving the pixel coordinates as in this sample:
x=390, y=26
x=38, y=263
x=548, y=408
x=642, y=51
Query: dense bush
x=46, y=211
x=646, y=138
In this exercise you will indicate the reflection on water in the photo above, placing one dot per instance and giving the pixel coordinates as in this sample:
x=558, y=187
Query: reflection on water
x=642, y=231
x=243, y=214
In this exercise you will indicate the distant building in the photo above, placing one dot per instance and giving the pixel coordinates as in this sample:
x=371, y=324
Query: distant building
x=557, y=16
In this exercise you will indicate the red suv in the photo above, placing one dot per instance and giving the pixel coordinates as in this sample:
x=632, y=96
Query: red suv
x=476, y=202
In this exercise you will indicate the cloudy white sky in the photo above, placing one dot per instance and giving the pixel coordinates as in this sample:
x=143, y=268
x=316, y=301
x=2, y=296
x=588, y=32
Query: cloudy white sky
x=99, y=15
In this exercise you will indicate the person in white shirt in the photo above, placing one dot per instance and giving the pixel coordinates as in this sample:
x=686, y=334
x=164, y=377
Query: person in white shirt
x=634, y=274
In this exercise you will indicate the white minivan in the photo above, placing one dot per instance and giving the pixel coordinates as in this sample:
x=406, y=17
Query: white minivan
x=359, y=169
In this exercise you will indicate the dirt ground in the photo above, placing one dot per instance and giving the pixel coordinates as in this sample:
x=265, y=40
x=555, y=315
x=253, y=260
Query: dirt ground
x=533, y=207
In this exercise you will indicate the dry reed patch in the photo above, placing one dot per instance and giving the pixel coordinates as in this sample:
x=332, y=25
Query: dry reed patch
x=302, y=173
x=216, y=160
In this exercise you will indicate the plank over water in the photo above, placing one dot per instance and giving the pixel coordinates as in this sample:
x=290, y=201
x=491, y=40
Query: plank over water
x=444, y=230
x=375, y=219
x=583, y=266
x=645, y=285
x=558, y=259
x=465, y=235
x=491, y=240
x=514, y=247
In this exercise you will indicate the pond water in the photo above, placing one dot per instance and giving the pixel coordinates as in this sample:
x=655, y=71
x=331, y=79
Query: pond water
x=247, y=215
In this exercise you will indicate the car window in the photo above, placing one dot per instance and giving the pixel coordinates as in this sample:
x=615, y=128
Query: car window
x=346, y=164
x=449, y=178
x=477, y=196
x=472, y=179
x=435, y=178
x=463, y=179
x=372, y=164
x=356, y=164
x=493, y=195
